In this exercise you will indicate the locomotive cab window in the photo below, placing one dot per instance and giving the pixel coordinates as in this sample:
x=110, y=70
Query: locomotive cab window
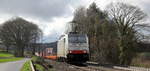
x=77, y=39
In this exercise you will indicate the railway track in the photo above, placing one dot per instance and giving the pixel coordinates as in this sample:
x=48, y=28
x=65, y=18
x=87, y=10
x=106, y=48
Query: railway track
x=87, y=67
x=103, y=68
x=122, y=68
x=131, y=68
x=77, y=67
x=63, y=66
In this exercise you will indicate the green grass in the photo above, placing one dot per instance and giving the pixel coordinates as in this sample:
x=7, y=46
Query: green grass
x=7, y=57
x=26, y=66
x=10, y=59
x=5, y=54
x=39, y=67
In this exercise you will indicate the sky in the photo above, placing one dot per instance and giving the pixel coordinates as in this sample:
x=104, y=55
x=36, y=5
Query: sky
x=52, y=16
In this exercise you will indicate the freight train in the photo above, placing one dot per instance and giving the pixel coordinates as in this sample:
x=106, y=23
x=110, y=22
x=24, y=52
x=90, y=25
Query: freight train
x=73, y=47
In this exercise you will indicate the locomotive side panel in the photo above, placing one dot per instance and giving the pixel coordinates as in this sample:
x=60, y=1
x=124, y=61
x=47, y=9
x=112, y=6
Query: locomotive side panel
x=61, y=48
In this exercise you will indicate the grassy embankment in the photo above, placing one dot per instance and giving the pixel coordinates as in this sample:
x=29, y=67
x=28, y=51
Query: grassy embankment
x=37, y=61
x=39, y=67
x=7, y=57
x=27, y=67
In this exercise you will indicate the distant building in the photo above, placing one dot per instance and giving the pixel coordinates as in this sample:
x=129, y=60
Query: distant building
x=50, y=48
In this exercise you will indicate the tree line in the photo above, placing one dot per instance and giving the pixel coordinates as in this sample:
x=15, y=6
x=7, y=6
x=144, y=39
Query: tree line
x=112, y=32
x=19, y=33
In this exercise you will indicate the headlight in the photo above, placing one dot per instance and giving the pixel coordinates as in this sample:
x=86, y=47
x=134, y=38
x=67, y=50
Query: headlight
x=70, y=51
x=84, y=51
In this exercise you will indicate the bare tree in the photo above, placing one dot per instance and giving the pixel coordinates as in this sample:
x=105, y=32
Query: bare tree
x=79, y=20
x=6, y=42
x=20, y=33
x=125, y=17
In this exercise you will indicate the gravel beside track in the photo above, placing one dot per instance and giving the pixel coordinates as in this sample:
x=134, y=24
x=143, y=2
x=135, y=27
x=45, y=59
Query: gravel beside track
x=62, y=66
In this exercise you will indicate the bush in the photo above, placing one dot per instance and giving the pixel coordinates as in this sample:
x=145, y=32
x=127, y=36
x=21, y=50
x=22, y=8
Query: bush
x=37, y=59
x=142, y=60
x=28, y=54
x=145, y=55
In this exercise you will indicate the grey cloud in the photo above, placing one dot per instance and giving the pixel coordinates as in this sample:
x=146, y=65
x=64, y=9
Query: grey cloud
x=44, y=9
x=146, y=6
x=39, y=10
x=52, y=38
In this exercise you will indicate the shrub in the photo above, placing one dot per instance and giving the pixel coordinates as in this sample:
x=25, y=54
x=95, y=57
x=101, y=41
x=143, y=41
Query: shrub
x=37, y=59
x=142, y=60
x=145, y=55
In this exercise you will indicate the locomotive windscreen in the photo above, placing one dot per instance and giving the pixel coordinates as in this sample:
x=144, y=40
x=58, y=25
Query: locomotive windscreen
x=77, y=38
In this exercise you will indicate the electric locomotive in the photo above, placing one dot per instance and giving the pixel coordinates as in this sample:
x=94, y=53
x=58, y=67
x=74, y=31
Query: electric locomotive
x=73, y=47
